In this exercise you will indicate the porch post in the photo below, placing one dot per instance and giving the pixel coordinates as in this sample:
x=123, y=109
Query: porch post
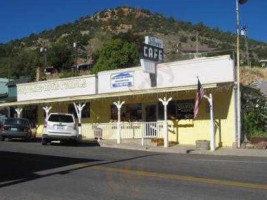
x=212, y=131
x=78, y=108
x=18, y=111
x=47, y=109
x=119, y=104
x=165, y=103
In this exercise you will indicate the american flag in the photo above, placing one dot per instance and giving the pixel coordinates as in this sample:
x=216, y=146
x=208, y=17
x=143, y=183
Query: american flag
x=199, y=97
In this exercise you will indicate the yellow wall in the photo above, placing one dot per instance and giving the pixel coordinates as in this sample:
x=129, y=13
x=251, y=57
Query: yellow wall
x=188, y=131
x=181, y=131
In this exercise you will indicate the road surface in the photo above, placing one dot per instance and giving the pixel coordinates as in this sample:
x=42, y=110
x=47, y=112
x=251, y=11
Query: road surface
x=31, y=171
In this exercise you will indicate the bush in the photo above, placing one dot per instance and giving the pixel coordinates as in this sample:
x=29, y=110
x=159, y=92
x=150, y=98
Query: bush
x=254, y=110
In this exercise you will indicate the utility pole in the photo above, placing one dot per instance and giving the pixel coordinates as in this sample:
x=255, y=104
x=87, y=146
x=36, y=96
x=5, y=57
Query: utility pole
x=197, y=42
x=238, y=78
x=238, y=72
x=244, y=34
x=43, y=50
x=76, y=54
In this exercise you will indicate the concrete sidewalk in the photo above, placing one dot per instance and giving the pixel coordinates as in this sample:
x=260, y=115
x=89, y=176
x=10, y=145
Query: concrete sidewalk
x=182, y=149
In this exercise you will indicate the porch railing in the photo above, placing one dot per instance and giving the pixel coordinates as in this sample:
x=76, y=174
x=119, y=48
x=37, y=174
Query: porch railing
x=129, y=130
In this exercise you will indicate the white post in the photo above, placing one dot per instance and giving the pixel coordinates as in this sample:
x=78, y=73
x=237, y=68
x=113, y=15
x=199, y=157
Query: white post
x=18, y=111
x=165, y=103
x=119, y=105
x=47, y=109
x=78, y=108
x=212, y=131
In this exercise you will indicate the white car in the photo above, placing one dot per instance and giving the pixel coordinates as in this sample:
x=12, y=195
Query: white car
x=60, y=126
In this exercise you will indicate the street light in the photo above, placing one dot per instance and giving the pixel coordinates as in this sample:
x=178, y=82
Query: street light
x=76, y=56
x=238, y=72
x=43, y=51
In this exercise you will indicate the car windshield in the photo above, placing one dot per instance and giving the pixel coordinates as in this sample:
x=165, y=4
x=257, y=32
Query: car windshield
x=61, y=118
x=22, y=122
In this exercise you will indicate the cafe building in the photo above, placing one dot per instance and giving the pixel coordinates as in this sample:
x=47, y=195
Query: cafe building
x=135, y=96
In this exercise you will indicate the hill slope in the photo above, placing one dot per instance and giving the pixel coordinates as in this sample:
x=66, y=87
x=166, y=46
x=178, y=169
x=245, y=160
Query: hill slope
x=22, y=56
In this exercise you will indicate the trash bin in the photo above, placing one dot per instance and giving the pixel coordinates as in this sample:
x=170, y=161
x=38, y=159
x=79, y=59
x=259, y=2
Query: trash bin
x=98, y=133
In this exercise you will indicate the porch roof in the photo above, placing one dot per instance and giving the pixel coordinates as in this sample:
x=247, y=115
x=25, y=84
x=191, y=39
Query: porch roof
x=107, y=95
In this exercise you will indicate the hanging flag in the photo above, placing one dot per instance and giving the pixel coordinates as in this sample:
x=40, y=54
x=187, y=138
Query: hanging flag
x=199, y=97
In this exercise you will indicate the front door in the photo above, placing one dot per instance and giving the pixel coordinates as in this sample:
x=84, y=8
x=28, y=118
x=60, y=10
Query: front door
x=150, y=113
x=150, y=117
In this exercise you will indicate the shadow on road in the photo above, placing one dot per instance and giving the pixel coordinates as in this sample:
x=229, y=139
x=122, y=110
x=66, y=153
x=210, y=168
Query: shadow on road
x=17, y=167
x=22, y=166
x=92, y=143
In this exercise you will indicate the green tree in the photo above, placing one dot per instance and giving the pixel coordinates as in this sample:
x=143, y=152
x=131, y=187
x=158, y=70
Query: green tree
x=116, y=53
x=23, y=63
x=60, y=56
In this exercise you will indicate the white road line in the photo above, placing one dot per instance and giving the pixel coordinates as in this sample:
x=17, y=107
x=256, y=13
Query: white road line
x=230, y=161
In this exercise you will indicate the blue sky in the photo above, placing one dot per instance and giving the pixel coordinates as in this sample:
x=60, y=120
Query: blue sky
x=19, y=18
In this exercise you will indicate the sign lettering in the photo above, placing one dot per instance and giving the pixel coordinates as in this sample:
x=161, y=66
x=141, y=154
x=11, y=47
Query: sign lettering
x=152, y=53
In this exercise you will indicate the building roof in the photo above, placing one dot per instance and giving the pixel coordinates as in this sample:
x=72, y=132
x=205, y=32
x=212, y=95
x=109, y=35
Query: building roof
x=17, y=81
x=107, y=95
x=262, y=86
x=3, y=80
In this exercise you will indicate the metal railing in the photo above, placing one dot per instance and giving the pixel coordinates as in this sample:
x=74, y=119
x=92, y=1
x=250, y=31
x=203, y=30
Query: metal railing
x=129, y=130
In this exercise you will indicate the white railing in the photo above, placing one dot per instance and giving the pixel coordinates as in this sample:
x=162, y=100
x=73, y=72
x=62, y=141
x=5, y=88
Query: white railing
x=151, y=129
x=129, y=130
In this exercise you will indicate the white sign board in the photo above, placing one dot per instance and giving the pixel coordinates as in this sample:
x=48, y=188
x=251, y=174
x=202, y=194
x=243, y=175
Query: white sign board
x=67, y=87
x=154, y=41
x=123, y=79
x=148, y=66
x=147, y=63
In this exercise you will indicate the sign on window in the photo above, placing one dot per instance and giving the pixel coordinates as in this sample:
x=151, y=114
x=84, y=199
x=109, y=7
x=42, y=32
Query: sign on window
x=185, y=109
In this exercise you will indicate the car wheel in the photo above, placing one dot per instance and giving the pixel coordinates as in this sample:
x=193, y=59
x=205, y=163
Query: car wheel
x=2, y=138
x=44, y=142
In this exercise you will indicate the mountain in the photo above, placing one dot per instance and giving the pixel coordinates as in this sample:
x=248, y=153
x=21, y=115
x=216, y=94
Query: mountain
x=22, y=56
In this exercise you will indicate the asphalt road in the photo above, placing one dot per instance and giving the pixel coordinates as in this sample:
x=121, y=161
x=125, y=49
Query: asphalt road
x=31, y=171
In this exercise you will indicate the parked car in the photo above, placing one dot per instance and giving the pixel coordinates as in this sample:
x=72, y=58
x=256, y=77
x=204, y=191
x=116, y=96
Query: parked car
x=60, y=126
x=16, y=128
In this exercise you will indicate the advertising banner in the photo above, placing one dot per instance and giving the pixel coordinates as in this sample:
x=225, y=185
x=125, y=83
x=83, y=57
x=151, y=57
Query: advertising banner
x=123, y=79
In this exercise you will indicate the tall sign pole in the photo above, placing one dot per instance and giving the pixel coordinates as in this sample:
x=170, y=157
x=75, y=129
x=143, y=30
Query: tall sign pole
x=238, y=76
x=151, y=54
x=238, y=72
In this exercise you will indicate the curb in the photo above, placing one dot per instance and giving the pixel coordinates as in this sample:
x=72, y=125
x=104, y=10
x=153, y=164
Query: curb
x=258, y=153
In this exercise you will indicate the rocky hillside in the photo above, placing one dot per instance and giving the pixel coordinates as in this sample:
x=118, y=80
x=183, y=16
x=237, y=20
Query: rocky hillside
x=180, y=39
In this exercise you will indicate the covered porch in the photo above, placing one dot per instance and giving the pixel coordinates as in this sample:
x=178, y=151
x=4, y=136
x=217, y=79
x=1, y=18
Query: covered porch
x=142, y=114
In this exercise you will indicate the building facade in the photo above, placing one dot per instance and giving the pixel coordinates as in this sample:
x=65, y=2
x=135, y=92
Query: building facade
x=142, y=114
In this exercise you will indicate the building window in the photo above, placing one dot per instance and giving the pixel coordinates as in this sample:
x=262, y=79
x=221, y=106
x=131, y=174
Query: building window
x=85, y=111
x=185, y=109
x=129, y=112
x=181, y=109
x=171, y=110
x=30, y=112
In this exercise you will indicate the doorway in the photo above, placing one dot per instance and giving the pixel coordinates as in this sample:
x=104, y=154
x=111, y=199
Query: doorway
x=150, y=112
x=150, y=116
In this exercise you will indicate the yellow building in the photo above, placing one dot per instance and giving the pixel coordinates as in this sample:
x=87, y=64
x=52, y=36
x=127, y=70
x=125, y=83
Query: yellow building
x=142, y=114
